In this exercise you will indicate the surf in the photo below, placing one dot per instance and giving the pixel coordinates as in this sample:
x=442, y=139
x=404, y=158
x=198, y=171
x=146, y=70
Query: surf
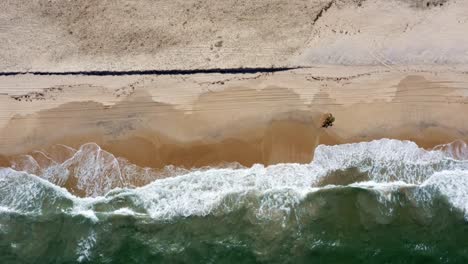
x=359, y=186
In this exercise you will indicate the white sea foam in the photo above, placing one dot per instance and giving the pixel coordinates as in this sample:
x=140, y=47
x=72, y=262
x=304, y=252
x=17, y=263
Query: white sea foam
x=384, y=160
x=89, y=171
x=453, y=185
x=90, y=214
x=5, y=209
x=385, y=186
x=390, y=164
x=456, y=150
x=85, y=246
x=124, y=211
x=28, y=194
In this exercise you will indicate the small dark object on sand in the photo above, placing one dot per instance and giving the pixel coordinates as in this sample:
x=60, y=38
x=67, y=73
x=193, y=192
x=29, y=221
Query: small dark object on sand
x=328, y=120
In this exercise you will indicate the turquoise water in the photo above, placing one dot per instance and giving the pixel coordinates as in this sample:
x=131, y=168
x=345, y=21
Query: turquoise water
x=385, y=201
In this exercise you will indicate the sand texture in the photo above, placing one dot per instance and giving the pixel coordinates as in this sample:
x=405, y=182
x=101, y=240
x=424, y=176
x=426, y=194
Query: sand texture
x=207, y=119
x=85, y=35
x=395, y=69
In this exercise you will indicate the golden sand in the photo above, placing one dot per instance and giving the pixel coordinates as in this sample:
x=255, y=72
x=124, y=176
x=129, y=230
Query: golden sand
x=208, y=119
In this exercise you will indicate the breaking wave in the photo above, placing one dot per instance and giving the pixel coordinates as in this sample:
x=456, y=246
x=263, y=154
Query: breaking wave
x=382, y=178
x=100, y=178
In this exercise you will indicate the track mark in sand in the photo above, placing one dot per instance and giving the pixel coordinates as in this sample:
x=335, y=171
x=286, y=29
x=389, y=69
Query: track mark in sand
x=47, y=93
x=343, y=78
x=222, y=82
x=322, y=11
x=125, y=91
x=130, y=89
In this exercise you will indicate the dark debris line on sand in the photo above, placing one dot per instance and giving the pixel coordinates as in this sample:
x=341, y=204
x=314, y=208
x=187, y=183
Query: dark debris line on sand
x=158, y=72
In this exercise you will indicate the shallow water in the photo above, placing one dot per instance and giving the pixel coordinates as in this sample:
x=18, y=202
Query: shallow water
x=384, y=201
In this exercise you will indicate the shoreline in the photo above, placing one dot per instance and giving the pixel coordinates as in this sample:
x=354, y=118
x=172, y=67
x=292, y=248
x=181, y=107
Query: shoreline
x=204, y=119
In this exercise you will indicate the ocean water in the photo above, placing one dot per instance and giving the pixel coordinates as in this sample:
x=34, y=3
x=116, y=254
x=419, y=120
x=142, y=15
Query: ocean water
x=385, y=201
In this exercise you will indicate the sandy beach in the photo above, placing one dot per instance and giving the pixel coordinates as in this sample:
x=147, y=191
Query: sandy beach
x=206, y=119
x=233, y=131
x=393, y=69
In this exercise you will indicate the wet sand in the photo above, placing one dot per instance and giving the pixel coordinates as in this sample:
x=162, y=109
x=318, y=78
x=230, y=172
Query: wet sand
x=208, y=119
x=405, y=77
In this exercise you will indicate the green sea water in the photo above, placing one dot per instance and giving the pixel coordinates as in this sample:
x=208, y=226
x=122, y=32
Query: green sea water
x=344, y=225
x=362, y=212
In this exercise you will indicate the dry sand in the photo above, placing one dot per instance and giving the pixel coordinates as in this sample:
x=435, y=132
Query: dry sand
x=85, y=35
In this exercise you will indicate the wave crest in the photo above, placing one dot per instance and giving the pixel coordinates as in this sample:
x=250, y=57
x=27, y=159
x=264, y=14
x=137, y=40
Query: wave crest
x=274, y=190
